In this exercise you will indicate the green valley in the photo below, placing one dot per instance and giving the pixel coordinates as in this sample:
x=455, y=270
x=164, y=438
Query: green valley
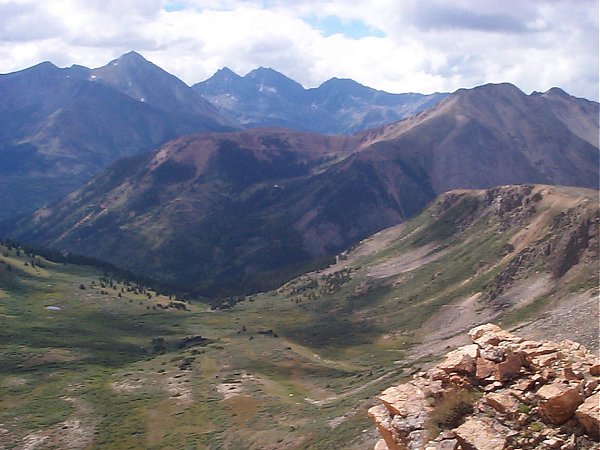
x=88, y=360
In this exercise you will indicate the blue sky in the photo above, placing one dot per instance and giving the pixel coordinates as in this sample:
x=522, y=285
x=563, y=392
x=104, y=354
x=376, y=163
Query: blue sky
x=353, y=28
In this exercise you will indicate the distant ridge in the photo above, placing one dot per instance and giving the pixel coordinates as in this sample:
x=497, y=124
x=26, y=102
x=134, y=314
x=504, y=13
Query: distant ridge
x=59, y=127
x=266, y=98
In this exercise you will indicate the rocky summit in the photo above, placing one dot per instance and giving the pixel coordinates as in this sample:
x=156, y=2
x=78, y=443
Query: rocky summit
x=500, y=392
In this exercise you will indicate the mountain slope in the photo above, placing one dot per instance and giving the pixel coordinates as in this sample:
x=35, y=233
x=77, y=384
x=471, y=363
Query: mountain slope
x=117, y=366
x=138, y=78
x=58, y=127
x=266, y=98
x=224, y=192
x=116, y=369
x=246, y=210
x=487, y=136
x=509, y=253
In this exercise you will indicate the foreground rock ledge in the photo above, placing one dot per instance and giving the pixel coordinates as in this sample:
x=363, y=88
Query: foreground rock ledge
x=501, y=392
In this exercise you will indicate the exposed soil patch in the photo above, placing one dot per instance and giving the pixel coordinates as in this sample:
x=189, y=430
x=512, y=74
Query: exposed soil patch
x=14, y=382
x=236, y=386
x=127, y=386
x=74, y=433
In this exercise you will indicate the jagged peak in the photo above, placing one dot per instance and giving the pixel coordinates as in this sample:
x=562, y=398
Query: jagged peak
x=129, y=59
x=341, y=81
x=44, y=65
x=132, y=56
x=227, y=71
x=269, y=73
x=225, y=74
x=263, y=70
x=272, y=77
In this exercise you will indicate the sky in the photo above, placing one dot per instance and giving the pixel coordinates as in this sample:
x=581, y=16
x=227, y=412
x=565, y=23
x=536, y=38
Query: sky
x=394, y=45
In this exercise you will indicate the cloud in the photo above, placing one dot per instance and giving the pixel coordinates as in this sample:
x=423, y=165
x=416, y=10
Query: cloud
x=412, y=45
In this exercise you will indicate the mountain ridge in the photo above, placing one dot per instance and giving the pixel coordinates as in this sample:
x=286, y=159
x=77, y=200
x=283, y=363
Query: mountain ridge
x=60, y=126
x=263, y=203
x=337, y=106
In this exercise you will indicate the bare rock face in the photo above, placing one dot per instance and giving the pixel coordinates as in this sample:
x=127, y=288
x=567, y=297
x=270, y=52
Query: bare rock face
x=499, y=393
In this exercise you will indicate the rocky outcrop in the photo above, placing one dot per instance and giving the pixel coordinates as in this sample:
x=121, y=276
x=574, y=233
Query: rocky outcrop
x=572, y=237
x=501, y=392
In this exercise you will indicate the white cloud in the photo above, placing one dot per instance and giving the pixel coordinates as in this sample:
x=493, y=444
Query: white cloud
x=427, y=45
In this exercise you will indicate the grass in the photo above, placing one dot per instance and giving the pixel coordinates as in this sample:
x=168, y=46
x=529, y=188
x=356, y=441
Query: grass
x=337, y=335
x=96, y=342
x=450, y=410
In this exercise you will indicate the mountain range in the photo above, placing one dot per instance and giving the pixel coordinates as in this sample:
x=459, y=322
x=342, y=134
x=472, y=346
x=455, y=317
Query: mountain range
x=332, y=265
x=246, y=210
x=267, y=98
x=61, y=126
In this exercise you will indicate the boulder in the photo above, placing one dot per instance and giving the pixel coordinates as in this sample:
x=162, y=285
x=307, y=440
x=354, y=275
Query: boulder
x=588, y=415
x=484, y=368
x=502, y=402
x=531, y=352
x=572, y=375
x=558, y=402
x=545, y=360
x=461, y=360
x=403, y=400
x=509, y=368
x=479, y=331
x=482, y=434
x=495, y=354
x=447, y=444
